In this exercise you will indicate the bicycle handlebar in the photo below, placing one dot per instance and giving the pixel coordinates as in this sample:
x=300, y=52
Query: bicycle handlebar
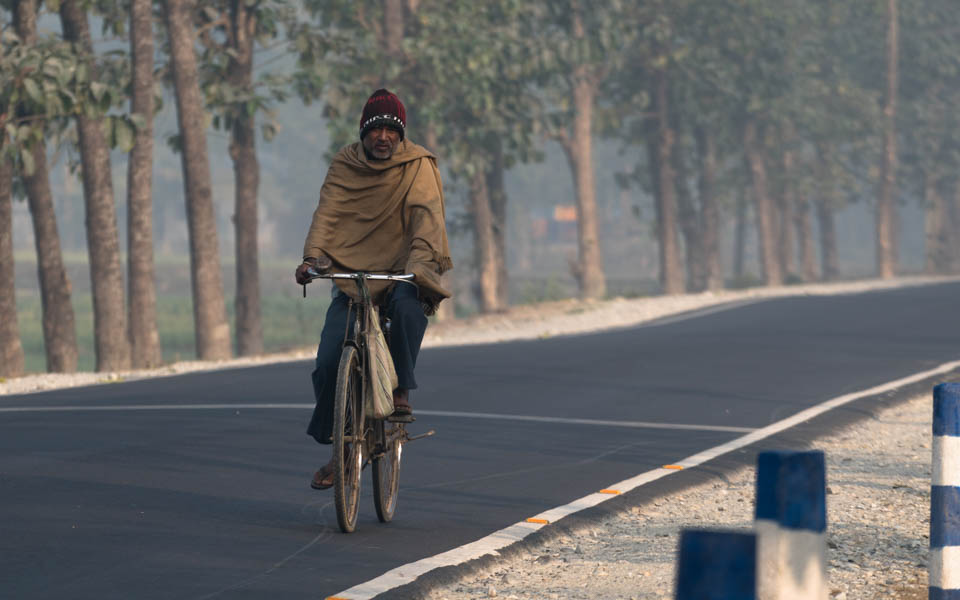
x=314, y=274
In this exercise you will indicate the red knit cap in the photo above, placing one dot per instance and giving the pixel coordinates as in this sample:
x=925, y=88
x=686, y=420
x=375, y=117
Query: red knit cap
x=383, y=109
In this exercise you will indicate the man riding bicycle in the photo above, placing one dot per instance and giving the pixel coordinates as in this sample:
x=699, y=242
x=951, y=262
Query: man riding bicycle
x=381, y=210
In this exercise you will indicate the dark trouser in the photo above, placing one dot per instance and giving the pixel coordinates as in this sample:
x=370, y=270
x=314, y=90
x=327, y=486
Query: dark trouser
x=407, y=325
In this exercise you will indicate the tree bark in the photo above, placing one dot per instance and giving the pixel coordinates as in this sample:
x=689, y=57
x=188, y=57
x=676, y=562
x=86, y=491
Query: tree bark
x=210, y=320
x=687, y=209
x=484, y=244
x=671, y=273
x=11, y=350
x=804, y=227
x=709, y=211
x=769, y=264
x=689, y=225
x=246, y=169
x=787, y=213
x=498, y=212
x=829, y=266
x=103, y=242
x=936, y=227
x=828, y=241
x=144, y=337
x=59, y=329
x=393, y=27
x=885, y=220
x=579, y=150
x=740, y=238
x=954, y=238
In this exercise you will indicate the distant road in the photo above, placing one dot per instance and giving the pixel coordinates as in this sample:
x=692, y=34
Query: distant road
x=149, y=492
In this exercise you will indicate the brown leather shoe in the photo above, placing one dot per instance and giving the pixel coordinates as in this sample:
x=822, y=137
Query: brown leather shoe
x=401, y=402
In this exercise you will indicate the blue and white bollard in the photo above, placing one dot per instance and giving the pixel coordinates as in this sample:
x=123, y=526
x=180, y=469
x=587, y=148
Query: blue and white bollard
x=716, y=565
x=791, y=525
x=945, y=494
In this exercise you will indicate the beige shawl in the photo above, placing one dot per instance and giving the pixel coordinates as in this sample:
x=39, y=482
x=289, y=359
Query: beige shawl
x=383, y=217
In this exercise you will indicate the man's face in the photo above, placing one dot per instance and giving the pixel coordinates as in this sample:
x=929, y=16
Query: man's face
x=381, y=142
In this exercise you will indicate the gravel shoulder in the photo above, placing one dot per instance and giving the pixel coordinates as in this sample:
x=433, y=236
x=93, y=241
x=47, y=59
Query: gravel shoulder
x=878, y=507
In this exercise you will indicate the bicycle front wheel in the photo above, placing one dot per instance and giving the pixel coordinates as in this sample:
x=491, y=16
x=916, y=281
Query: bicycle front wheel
x=386, y=470
x=348, y=430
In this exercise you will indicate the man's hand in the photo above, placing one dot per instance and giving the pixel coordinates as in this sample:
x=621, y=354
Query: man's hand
x=320, y=265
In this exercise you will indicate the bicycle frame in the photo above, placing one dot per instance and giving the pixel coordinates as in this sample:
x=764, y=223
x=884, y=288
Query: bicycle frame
x=379, y=441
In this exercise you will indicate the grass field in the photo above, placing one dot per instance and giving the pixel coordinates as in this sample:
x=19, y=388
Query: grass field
x=289, y=320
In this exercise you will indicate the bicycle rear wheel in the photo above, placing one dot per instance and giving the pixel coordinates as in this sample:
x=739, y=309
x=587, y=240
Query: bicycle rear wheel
x=348, y=428
x=386, y=472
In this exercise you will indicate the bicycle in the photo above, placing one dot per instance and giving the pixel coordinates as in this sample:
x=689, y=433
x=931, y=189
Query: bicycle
x=357, y=443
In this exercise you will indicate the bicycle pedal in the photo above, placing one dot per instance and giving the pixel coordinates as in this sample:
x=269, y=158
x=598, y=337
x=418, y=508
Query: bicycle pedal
x=401, y=418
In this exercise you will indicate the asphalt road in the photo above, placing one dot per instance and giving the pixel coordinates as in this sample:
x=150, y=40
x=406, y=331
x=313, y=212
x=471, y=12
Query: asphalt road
x=214, y=503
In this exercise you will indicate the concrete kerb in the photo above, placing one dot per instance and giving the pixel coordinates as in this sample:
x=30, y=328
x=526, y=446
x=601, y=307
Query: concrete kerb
x=800, y=437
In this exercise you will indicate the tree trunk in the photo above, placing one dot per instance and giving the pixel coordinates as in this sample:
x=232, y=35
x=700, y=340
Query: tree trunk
x=671, y=273
x=954, y=238
x=709, y=211
x=936, y=227
x=689, y=226
x=144, y=338
x=393, y=18
x=687, y=210
x=804, y=227
x=246, y=169
x=579, y=149
x=484, y=244
x=11, y=350
x=103, y=241
x=740, y=238
x=498, y=210
x=787, y=214
x=885, y=220
x=210, y=320
x=59, y=330
x=766, y=244
x=828, y=241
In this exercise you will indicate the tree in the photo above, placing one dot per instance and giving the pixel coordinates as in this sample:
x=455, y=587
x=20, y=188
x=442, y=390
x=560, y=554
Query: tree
x=928, y=93
x=482, y=125
x=210, y=320
x=585, y=40
x=460, y=67
x=230, y=32
x=142, y=301
x=885, y=215
x=11, y=350
x=59, y=330
x=106, y=273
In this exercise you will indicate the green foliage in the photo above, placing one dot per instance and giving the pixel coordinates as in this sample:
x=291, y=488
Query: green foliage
x=223, y=28
x=43, y=86
x=464, y=73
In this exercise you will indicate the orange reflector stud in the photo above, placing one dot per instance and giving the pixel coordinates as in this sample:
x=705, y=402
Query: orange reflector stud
x=673, y=467
x=539, y=521
x=609, y=491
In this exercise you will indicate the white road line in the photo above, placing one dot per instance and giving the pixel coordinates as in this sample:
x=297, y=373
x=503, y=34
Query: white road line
x=518, y=531
x=701, y=312
x=428, y=413
x=136, y=407
x=566, y=421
